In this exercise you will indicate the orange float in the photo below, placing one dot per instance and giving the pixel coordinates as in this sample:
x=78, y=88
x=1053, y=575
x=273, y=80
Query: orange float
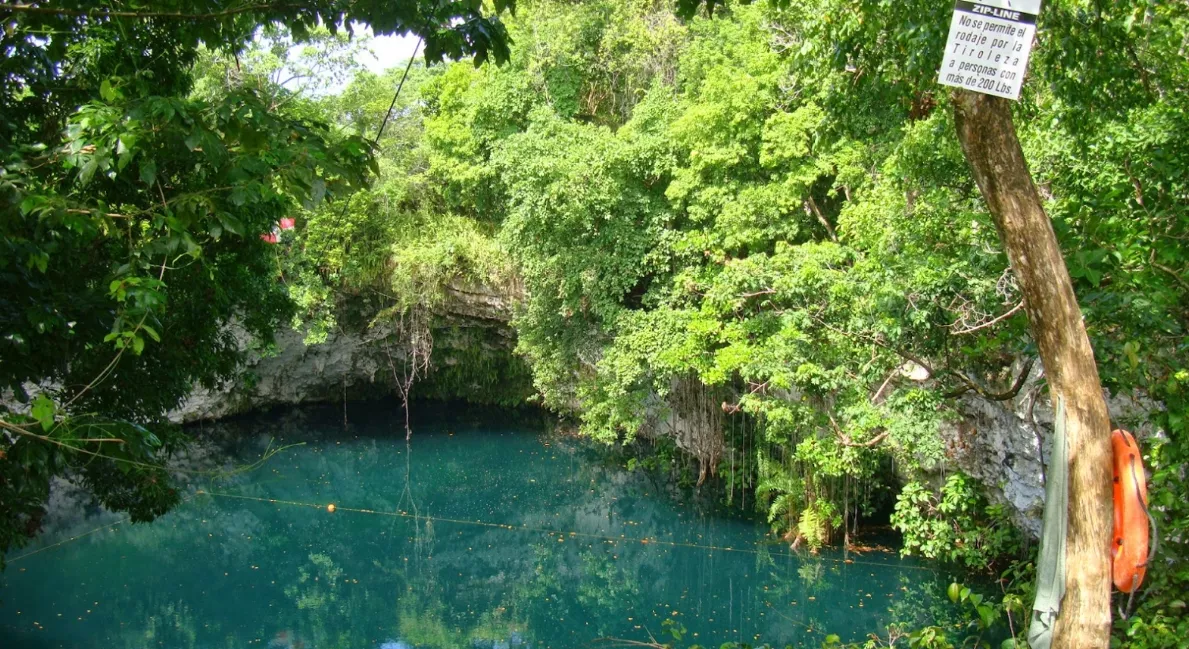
x=1129, y=555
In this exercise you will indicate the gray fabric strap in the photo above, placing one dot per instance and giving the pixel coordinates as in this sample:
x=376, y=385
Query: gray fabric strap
x=1050, y=571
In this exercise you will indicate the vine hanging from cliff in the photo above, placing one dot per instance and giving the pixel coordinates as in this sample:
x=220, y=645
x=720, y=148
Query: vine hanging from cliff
x=415, y=338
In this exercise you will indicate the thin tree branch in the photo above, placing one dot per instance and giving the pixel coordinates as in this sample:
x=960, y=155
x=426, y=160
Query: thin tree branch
x=879, y=392
x=20, y=430
x=811, y=206
x=1006, y=395
x=767, y=291
x=110, y=215
x=845, y=440
x=1175, y=274
x=112, y=365
x=875, y=341
x=990, y=323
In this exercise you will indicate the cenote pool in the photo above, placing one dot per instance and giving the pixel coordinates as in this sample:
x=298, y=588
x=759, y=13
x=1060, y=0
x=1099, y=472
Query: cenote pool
x=485, y=531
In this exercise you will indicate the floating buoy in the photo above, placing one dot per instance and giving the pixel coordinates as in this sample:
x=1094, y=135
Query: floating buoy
x=1129, y=554
x=330, y=508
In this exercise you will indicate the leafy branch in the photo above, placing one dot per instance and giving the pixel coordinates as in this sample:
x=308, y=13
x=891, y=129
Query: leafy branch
x=174, y=15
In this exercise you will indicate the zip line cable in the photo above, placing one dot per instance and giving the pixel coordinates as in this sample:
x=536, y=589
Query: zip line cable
x=399, y=86
x=387, y=115
x=76, y=537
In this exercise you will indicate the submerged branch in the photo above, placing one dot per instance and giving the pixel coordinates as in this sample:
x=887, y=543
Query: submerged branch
x=624, y=642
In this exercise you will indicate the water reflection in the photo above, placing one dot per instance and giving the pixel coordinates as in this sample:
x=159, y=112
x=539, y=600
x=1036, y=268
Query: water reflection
x=487, y=532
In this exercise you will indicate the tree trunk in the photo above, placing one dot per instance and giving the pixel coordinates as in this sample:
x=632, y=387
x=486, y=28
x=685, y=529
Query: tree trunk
x=992, y=149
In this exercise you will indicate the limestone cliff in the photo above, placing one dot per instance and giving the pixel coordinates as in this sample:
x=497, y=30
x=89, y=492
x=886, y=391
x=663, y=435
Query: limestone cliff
x=1001, y=443
x=356, y=360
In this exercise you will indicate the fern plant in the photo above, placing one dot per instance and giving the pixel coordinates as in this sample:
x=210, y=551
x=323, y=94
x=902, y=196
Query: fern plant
x=780, y=491
x=818, y=522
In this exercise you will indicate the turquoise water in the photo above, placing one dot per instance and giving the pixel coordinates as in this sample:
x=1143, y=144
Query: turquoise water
x=486, y=530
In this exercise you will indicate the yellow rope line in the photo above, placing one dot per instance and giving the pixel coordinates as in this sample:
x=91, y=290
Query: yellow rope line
x=541, y=530
x=125, y=519
x=459, y=521
x=65, y=541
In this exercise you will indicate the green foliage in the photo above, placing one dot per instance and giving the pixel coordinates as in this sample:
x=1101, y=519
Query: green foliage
x=134, y=187
x=774, y=204
x=783, y=491
x=955, y=524
x=816, y=523
x=399, y=245
x=983, y=615
x=1161, y=616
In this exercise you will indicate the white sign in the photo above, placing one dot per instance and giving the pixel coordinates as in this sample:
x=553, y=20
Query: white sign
x=989, y=44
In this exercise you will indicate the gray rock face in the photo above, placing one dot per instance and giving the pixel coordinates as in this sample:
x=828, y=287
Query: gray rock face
x=345, y=365
x=480, y=303
x=352, y=363
x=996, y=443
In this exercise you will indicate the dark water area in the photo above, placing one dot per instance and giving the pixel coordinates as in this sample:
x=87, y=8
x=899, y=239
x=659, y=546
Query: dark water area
x=486, y=530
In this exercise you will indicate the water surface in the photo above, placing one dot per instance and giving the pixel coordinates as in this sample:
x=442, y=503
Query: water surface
x=486, y=530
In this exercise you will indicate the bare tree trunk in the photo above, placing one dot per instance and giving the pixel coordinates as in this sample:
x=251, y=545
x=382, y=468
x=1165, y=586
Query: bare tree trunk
x=989, y=141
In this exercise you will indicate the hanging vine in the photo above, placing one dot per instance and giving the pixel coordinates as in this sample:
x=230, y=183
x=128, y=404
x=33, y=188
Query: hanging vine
x=413, y=330
x=697, y=423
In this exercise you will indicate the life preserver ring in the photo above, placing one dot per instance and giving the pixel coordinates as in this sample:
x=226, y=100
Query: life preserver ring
x=1129, y=553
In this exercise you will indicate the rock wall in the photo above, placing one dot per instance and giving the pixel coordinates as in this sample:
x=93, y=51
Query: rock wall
x=350, y=364
x=997, y=443
x=354, y=362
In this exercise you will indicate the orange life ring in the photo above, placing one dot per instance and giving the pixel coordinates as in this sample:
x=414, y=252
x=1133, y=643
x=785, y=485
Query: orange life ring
x=1129, y=555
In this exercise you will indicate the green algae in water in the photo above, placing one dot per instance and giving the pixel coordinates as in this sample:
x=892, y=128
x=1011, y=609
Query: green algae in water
x=487, y=532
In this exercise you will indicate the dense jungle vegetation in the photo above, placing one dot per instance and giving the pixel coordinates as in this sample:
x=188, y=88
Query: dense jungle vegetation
x=745, y=237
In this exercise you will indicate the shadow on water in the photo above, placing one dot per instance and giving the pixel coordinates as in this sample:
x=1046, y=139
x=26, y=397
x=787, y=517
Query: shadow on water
x=487, y=530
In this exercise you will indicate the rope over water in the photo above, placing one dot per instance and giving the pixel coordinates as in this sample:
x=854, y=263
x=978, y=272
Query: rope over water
x=65, y=541
x=486, y=524
x=547, y=531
